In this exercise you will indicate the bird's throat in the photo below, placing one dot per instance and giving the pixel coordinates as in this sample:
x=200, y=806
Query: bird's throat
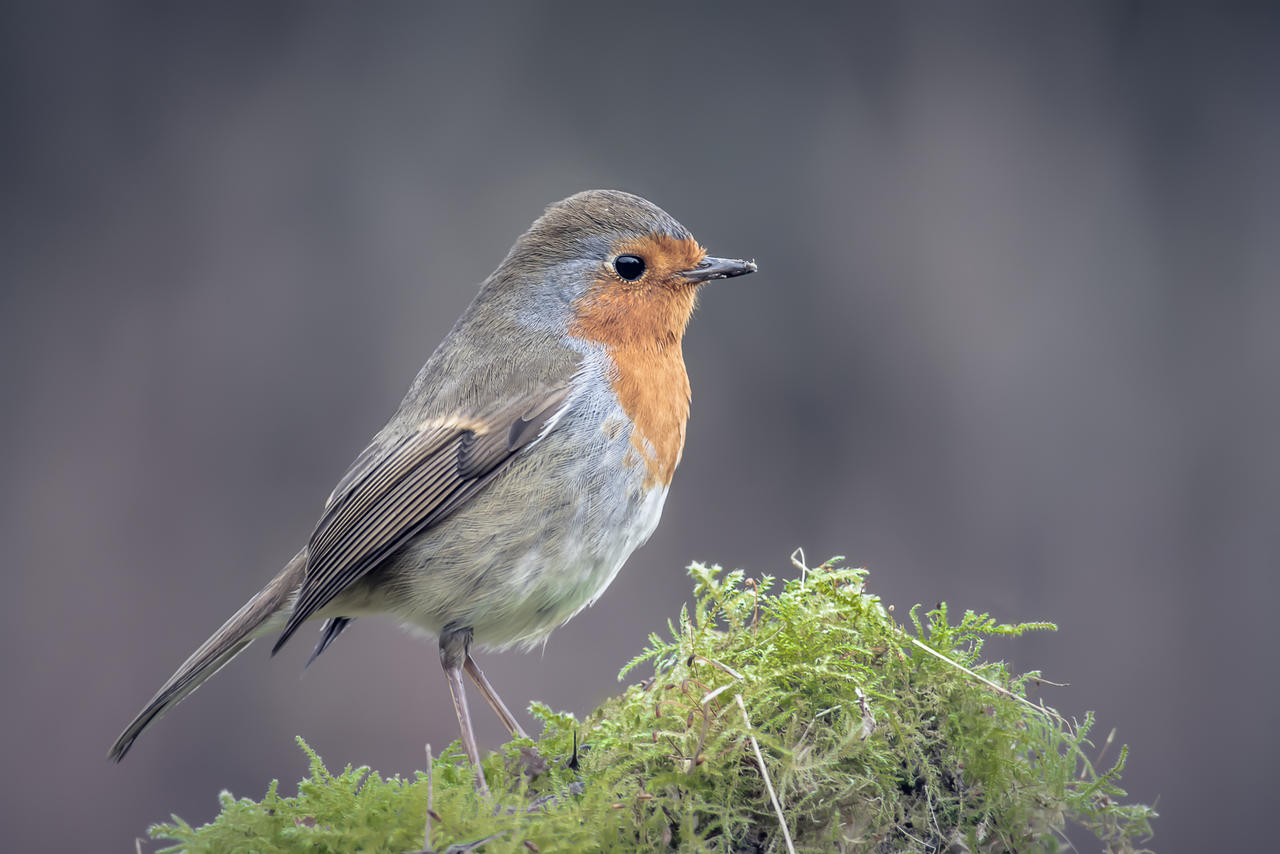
x=642, y=330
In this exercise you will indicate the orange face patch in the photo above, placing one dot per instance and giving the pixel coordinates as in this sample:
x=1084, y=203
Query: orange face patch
x=641, y=325
x=663, y=255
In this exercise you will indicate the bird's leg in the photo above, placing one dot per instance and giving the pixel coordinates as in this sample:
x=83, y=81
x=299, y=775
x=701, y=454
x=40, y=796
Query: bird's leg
x=495, y=702
x=454, y=643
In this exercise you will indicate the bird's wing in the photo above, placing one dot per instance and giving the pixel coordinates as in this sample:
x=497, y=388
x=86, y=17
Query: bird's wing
x=395, y=491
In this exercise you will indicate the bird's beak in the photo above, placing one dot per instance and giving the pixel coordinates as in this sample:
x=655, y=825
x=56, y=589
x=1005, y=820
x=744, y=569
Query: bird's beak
x=719, y=268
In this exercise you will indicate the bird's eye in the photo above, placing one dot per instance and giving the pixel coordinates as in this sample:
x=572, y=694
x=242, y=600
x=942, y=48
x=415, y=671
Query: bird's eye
x=629, y=267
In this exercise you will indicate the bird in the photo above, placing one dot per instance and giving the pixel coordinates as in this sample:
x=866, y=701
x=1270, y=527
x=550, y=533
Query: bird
x=530, y=457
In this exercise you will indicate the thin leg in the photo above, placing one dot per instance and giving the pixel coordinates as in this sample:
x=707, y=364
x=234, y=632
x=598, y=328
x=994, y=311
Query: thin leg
x=495, y=702
x=453, y=652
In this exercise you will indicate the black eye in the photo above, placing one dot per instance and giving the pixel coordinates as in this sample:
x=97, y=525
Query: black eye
x=629, y=267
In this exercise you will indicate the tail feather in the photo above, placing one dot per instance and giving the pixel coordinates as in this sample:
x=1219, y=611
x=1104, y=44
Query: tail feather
x=266, y=612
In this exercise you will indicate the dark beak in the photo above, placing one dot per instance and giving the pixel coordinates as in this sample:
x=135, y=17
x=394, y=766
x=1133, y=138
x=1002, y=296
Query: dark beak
x=719, y=268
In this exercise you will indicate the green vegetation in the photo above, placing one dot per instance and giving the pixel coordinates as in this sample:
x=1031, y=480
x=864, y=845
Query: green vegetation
x=869, y=741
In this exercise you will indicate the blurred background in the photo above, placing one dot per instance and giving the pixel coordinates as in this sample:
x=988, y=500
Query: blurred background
x=1012, y=345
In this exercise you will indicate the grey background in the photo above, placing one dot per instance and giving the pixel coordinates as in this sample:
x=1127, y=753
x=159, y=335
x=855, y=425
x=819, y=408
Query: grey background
x=1012, y=345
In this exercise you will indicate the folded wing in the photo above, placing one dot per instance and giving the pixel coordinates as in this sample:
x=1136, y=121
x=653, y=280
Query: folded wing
x=395, y=491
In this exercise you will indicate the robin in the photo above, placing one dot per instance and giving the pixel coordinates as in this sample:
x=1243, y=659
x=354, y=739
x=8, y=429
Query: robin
x=530, y=457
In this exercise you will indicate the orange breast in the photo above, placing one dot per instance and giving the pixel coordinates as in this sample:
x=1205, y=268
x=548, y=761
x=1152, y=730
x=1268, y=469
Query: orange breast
x=641, y=326
x=653, y=389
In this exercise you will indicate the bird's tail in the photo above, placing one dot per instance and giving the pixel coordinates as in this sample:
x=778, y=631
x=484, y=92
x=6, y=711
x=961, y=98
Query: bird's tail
x=267, y=611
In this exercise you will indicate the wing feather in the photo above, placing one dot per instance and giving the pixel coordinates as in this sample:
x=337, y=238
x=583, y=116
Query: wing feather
x=379, y=474
x=394, y=492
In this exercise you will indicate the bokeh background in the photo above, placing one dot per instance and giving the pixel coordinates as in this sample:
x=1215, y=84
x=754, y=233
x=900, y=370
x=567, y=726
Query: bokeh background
x=1012, y=345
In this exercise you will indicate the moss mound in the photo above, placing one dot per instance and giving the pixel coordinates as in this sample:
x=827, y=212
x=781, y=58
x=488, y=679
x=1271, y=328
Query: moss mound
x=804, y=719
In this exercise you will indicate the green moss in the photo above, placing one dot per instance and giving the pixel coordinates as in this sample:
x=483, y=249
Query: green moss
x=871, y=743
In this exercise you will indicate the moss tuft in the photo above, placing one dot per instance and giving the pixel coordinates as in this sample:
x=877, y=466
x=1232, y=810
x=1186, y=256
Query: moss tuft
x=873, y=737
